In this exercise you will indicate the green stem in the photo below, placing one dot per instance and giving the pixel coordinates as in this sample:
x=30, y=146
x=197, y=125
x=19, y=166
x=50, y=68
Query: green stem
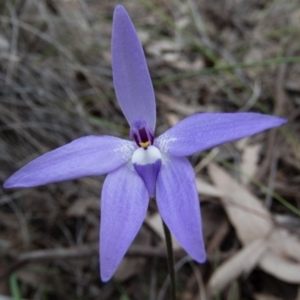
x=170, y=260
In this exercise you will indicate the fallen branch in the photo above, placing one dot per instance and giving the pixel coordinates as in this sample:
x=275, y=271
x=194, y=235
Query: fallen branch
x=78, y=252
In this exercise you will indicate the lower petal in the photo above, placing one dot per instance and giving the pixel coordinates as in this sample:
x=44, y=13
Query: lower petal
x=178, y=204
x=124, y=203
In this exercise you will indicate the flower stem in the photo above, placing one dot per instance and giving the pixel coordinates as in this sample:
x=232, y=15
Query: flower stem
x=170, y=260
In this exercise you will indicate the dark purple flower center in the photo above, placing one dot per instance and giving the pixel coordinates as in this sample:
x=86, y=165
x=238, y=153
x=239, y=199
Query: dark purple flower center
x=141, y=133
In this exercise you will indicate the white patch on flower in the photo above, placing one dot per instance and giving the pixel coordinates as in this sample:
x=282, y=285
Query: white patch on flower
x=164, y=158
x=147, y=156
x=164, y=142
x=126, y=150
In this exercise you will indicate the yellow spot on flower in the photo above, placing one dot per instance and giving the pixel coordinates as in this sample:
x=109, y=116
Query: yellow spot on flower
x=145, y=144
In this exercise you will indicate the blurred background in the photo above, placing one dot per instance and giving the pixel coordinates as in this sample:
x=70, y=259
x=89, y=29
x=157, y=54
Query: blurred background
x=217, y=56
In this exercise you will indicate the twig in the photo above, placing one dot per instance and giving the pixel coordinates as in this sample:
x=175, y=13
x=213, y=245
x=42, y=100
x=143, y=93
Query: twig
x=14, y=44
x=42, y=36
x=77, y=252
x=271, y=140
x=271, y=180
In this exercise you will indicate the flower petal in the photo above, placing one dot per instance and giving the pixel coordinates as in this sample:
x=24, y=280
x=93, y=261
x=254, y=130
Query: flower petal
x=147, y=163
x=132, y=81
x=178, y=204
x=124, y=204
x=206, y=130
x=86, y=156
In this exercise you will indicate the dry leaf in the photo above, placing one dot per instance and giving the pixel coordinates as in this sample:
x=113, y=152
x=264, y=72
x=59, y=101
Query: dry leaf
x=207, y=189
x=244, y=210
x=283, y=259
x=80, y=207
x=242, y=262
x=242, y=143
x=249, y=164
x=281, y=267
x=253, y=222
x=265, y=297
x=282, y=241
x=172, y=119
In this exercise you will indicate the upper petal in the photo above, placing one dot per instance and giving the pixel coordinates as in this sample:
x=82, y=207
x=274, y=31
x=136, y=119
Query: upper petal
x=86, y=156
x=124, y=204
x=206, y=130
x=178, y=204
x=131, y=77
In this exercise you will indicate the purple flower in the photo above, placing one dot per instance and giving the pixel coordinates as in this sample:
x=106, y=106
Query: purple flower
x=146, y=166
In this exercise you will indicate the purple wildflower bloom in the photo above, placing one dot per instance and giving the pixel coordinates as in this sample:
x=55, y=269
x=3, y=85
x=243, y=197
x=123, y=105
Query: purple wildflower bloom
x=140, y=168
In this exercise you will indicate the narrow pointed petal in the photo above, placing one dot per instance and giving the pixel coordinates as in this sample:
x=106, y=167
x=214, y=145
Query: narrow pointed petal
x=178, y=204
x=131, y=77
x=206, y=130
x=124, y=203
x=86, y=156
